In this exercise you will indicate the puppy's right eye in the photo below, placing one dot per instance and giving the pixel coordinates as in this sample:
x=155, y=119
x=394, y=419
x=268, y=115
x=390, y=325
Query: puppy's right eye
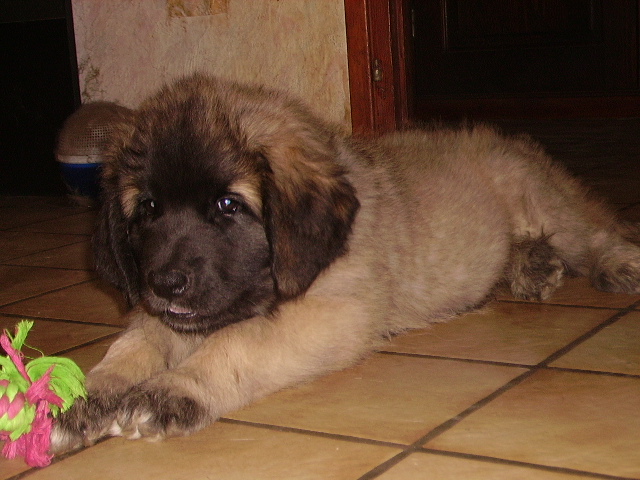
x=227, y=206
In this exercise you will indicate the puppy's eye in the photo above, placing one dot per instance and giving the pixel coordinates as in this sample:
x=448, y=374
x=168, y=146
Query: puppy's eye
x=149, y=208
x=228, y=205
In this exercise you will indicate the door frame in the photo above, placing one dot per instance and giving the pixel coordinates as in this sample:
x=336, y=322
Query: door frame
x=378, y=67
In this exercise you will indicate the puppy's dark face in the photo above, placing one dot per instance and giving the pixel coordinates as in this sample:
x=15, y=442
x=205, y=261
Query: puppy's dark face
x=221, y=202
x=196, y=226
x=202, y=254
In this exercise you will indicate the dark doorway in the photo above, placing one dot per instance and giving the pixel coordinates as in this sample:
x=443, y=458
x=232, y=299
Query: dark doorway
x=525, y=58
x=38, y=90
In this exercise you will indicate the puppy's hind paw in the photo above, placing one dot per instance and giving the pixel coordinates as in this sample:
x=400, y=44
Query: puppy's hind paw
x=535, y=270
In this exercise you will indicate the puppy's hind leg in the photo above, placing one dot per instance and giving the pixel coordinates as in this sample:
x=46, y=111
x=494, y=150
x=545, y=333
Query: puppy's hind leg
x=582, y=232
x=591, y=242
x=534, y=270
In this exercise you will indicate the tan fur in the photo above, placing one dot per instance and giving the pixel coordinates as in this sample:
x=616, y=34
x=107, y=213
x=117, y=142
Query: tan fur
x=443, y=214
x=250, y=191
x=129, y=198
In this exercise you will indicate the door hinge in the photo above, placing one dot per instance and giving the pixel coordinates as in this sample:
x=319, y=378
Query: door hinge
x=376, y=70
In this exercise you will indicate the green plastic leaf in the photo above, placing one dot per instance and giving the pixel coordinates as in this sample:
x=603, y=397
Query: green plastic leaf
x=7, y=368
x=17, y=383
x=20, y=424
x=12, y=391
x=22, y=330
x=67, y=379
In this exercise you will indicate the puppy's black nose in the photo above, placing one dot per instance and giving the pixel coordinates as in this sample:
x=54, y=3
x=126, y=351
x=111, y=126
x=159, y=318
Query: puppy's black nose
x=168, y=284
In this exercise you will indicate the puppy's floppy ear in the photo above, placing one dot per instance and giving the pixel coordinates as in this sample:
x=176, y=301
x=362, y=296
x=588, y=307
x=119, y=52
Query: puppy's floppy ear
x=309, y=204
x=113, y=256
x=113, y=253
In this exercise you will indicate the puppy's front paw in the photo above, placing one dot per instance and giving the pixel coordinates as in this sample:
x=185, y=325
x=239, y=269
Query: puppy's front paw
x=85, y=422
x=156, y=413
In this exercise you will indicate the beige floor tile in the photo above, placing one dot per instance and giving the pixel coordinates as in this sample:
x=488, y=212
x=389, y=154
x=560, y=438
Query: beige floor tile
x=89, y=302
x=87, y=357
x=426, y=466
x=572, y=420
x=74, y=257
x=223, y=451
x=9, y=468
x=15, y=245
x=79, y=223
x=17, y=283
x=578, y=291
x=51, y=337
x=503, y=332
x=614, y=349
x=389, y=398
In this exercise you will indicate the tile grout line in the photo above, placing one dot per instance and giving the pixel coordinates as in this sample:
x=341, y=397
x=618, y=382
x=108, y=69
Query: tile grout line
x=77, y=241
x=533, y=466
x=507, y=364
x=54, y=290
x=61, y=320
x=567, y=305
x=592, y=372
x=591, y=333
x=312, y=433
x=40, y=267
x=18, y=228
x=453, y=421
x=88, y=343
x=455, y=359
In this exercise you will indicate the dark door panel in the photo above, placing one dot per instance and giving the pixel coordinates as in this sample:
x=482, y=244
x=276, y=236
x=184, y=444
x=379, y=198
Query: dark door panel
x=478, y=50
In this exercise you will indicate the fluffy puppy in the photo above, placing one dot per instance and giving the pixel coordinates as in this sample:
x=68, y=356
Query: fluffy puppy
x=259, y=247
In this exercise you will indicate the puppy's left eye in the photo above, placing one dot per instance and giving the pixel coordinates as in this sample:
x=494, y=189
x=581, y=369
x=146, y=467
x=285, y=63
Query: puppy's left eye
x=228, y=205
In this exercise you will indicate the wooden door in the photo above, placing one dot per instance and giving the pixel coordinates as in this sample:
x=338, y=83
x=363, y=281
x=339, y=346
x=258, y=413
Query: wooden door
x=492, y=58
x=378, y=52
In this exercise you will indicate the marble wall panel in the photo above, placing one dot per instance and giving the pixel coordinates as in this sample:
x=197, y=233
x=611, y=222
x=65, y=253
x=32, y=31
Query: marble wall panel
x=126, y=49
